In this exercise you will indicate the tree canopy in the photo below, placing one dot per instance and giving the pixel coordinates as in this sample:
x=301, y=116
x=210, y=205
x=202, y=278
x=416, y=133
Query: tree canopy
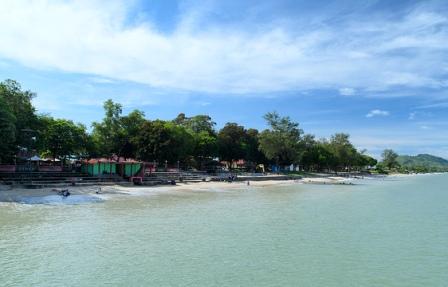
x=115, y=134
x=390, y=158
x=281, y=142
x=7, y=132
x=190, y=140
x=18, y=119
x=231, y=142
x=62, y=138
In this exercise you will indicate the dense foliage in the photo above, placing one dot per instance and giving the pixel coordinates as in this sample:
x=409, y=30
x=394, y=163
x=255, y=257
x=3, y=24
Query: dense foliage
x=282, y=141
x=7, y=132
x=422, y=163
x=188, y=141
x=59, y=138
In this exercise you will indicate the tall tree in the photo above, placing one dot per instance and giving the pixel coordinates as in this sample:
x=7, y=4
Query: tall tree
x=115, y=134
x=108, y=133
x=180, y=144
x=151, y=141
x=163, y=141
x=343, y=150
x=20, y=106
x=326, y=158
x=281, y=142
x=390, y=158
x=310, y=154
x=130, y=127
x=63, y=138
x=363, y=160
x=252, y=152
x=201, y=128
x=7, y=132
x=205, y=147
x=197, y=124
x=231, y=142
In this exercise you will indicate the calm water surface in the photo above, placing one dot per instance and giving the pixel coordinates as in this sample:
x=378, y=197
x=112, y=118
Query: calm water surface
x=390, y=232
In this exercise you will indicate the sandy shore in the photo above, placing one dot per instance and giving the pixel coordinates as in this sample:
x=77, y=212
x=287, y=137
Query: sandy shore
x=93, y=193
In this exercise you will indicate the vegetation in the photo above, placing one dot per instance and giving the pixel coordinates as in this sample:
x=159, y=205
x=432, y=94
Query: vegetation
x=188, y=141
x=282, y=142
x=422, y=163
x=18, y=120
x=7, y=132
x=60, y=138
x=390, y=159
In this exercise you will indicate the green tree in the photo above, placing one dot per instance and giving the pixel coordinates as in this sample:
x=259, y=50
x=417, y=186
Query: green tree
x=253, y=154
x=344, y=151
x=163, y=141
x=310, y=154
x=390, y=159
x=115, y=134
x=197, y=124
x=63, y=138
x=7, y=133
x=371, y=161
x=201, y=127
x=281, y=142
x=327, y=160
x=231, y=142
x=19, y=104
x=151, y=141
x=108, y=134
x=180, y=145
x=364, y=160
x=130, y=127
x=205, y=147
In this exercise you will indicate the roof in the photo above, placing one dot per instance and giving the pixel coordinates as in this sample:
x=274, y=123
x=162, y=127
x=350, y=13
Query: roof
x=106, y=160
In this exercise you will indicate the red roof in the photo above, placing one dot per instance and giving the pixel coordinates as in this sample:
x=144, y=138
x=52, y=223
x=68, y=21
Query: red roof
x=107, y=160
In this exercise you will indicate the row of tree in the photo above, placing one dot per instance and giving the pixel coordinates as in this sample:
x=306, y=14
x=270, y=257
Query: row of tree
x=191, y=141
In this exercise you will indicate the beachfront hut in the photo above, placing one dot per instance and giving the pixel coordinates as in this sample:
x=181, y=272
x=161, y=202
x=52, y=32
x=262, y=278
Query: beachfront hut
x=104, y=166
x=130, y=168
x=99, y=166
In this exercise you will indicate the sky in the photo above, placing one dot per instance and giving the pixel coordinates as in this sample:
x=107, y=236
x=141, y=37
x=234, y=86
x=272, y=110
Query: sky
x=377, y=70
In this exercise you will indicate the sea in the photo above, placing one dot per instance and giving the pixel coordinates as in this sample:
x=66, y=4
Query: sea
x=386, y=232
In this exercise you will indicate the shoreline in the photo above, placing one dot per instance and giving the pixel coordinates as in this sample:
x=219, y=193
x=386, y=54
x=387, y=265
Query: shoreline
x=89, y=193
x=81, y=194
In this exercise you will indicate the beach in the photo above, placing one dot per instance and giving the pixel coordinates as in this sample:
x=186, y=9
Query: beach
x=104, y=192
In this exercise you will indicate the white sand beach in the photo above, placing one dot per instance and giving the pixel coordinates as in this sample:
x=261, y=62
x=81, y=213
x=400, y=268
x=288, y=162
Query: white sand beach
x=104, y=192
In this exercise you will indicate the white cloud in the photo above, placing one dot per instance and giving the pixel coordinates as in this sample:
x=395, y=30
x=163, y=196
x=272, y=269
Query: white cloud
x=95, y=37
x=347, y=91
x=374, y=113
x=101, y=80
x=441, y=105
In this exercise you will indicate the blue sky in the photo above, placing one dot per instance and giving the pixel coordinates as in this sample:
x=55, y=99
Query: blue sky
x=375, y=69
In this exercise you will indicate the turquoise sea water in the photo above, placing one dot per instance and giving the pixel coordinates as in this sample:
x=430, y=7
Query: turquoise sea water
x=391, y=232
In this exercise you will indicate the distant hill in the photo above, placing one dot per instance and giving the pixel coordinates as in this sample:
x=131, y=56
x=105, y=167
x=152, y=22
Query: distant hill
x=423, y=160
